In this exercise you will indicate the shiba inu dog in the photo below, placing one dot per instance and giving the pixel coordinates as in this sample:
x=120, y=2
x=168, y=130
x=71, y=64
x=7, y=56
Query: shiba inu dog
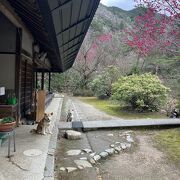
x=70, y=115
x=43, y=126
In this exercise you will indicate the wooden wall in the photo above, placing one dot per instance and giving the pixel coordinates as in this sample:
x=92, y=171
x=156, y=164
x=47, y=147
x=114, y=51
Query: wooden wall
x=26, y=85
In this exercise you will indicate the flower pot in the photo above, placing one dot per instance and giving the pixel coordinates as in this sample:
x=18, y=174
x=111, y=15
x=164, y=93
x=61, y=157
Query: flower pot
x=7, y=126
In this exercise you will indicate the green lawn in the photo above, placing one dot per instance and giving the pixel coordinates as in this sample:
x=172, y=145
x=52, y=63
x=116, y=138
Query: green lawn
x=114, y=109
x=169, y=142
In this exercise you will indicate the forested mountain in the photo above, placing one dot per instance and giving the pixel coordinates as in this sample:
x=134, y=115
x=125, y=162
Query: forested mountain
x=114, y=20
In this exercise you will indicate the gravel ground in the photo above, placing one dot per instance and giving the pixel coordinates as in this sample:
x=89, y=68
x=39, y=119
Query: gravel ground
x=140, y=162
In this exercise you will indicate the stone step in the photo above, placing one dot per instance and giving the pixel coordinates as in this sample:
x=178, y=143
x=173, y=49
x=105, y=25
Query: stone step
x=87, y=125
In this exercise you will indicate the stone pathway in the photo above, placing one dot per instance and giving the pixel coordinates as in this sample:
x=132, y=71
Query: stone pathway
x=111, y=154
x=80, y=159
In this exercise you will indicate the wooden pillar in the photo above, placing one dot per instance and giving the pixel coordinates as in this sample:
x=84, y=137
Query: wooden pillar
x=42, y=81
x=18, y=72
x=36, y=80
x=49, y=87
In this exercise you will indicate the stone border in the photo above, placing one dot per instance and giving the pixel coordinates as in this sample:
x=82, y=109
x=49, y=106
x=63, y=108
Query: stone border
x=49, y=166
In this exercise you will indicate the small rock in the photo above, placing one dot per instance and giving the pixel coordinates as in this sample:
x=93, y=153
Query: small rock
x=87, y=150
x=103, y=154
x=71, y=169
x=129, y=139
x=116, y=152
x=82, y=163
x=110, y=151
x=123, y=146
x=110, y=135
x=128, y=145
x=62, y=169
x=73, y=152
x=97, y=157
x=92, y=154
x=72, y=135
x=117, y=142
x=82, y=153
x=80, y=167
x=92, y=161
x=112, y=145
x=118, y=149
x=83, y=158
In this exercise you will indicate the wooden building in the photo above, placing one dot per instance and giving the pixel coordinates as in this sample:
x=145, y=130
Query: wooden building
x=38, y=37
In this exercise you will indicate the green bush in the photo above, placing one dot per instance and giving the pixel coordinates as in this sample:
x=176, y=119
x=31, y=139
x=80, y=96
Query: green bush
x=141, y=92
x=81, y=92
x=102, y=84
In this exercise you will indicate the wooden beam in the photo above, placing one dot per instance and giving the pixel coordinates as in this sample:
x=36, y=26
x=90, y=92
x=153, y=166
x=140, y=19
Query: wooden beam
x=85, y=20
x=78, y=36
x=63, y=5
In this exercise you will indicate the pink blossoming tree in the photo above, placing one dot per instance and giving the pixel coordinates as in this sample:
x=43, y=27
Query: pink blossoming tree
x=154, y=32
x=91, y=54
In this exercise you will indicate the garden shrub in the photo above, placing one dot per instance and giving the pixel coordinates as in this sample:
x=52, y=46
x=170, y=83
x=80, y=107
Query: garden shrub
x=83, y=92
x=141, y=92
x=102, y=84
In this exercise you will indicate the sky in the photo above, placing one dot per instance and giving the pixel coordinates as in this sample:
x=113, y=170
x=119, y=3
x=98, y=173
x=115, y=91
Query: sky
x=123, y=4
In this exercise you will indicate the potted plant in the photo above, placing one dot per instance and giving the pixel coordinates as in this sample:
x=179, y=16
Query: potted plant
x=7, y=124
x=11, y=100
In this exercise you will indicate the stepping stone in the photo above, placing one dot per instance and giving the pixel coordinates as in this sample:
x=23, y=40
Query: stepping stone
x=97, y=157
x=86, y=150
x=62, y=169
x=110, y=151
x=71, y=169
x=73, y=152
x=72, y=135
x=103, y=154
x=82, y=163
